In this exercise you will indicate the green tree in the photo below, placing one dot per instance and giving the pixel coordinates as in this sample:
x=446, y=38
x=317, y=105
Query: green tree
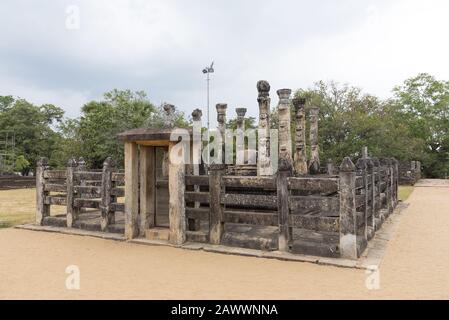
x=94, y=135
x=422, y=103
x=350, y=120
x=32, y=126
x=22, y=165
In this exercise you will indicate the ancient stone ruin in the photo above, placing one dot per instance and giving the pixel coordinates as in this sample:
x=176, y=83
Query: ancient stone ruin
x=284, y=202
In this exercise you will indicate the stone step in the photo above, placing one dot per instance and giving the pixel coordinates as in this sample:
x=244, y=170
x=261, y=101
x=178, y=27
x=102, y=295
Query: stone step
x=250, y=236
x=314, y=248
x=162, y=234
x=197, y=236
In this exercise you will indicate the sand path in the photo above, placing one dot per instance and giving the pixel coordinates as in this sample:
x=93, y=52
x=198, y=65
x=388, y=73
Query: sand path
x=416, y=264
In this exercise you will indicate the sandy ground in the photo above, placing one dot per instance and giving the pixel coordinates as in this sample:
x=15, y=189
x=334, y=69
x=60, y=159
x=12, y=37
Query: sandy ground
x=32, y=265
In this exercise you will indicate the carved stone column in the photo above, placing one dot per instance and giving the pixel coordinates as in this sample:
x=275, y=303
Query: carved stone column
x=221, y=119
x=169, y=122
x=285, y=135
x=314, y=165
x=197, y=142
x=240, y=136
x=300, y=157
x=264, y=167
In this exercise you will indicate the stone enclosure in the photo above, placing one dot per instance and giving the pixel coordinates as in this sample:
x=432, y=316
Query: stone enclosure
x=298, y=206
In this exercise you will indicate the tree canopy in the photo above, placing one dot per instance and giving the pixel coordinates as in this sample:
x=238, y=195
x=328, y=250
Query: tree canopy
x=411, y=125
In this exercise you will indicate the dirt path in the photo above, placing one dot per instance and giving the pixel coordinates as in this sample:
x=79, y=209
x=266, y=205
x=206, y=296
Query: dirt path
x=32, y=265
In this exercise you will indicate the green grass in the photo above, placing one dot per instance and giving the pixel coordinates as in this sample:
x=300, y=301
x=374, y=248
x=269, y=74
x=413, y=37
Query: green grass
x=405, y=192
x=19, y=207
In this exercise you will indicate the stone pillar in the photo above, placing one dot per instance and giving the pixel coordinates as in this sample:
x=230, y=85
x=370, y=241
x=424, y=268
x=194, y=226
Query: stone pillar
x=314, y=166
x=216, y=171
x=176, y=189
x=330, y=167
x=387, y=166
x=376, y=201
x=72, y=211
x=300, y=158
x=371, y=226
x=131, y=190
x=396, y=181
x=169, y=119
x=284, y=172
x=362, y=170
x=42, y=209
x=264, y=167
x=348, y=217
x=365, y=153
x=169, y=122
x=240, y=136
x=147, y=176
x=285, y=136
x=107, y=214
x=196, y=142
x=221, y=119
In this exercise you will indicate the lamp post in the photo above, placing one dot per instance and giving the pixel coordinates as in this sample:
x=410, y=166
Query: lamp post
x=207, y=71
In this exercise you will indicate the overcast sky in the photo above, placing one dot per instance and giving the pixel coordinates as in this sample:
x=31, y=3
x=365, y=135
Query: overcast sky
x=162, y=46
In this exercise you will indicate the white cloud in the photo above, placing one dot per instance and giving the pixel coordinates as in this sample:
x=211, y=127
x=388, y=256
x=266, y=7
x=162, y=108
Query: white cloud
x=161, y=47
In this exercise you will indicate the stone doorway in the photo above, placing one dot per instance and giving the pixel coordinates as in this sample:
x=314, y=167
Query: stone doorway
x=161, y=219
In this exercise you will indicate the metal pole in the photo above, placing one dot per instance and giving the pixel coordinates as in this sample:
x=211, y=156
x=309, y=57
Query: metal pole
x=208, y=119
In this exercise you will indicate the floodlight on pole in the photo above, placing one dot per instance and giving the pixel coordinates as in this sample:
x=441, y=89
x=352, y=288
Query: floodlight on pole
x=208, y=71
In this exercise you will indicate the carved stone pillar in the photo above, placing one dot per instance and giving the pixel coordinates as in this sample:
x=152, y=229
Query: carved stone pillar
x=221, y=119
x=300, y=157
x=314, y=165
x=197, y=143
x=240, y=136
x=264, y=167
x=285, y=135
x=169, y=122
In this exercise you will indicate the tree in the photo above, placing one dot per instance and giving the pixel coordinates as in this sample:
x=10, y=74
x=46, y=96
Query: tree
x=422, y=103
x=94, y=135
x=22, y=165
x=350, y=120
x=32, y=126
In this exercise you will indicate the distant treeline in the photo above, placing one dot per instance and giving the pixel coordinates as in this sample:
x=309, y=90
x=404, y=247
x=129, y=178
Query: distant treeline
x=411, y=125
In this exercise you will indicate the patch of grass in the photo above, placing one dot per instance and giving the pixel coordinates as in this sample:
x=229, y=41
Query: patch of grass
x=19, y=207
x=405, y=192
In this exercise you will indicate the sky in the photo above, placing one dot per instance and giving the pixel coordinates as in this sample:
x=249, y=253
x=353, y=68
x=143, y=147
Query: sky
x=70, y=52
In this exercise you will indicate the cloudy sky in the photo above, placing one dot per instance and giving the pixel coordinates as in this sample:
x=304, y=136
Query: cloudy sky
x=46, y=56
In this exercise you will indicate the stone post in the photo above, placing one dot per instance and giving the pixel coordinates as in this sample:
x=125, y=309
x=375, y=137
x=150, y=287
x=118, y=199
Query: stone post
x=176, y=189
x=285, y=136
x=330, y=167
x=300, y=158
x=131, y=190
x=264, y=167
x=386, y=163
x=376, y=188
x=107, y=214
x=240, y=136
x=169, y=120
x=348, y=217
x=284, y=172
x=42, y=209
x=314, y=165
x=362, y=170
x=147, y=177
x=221, y=119
x=72, y=211
x=395, y=181
x=216, y=171
x=372, y=198
x=195, y=224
